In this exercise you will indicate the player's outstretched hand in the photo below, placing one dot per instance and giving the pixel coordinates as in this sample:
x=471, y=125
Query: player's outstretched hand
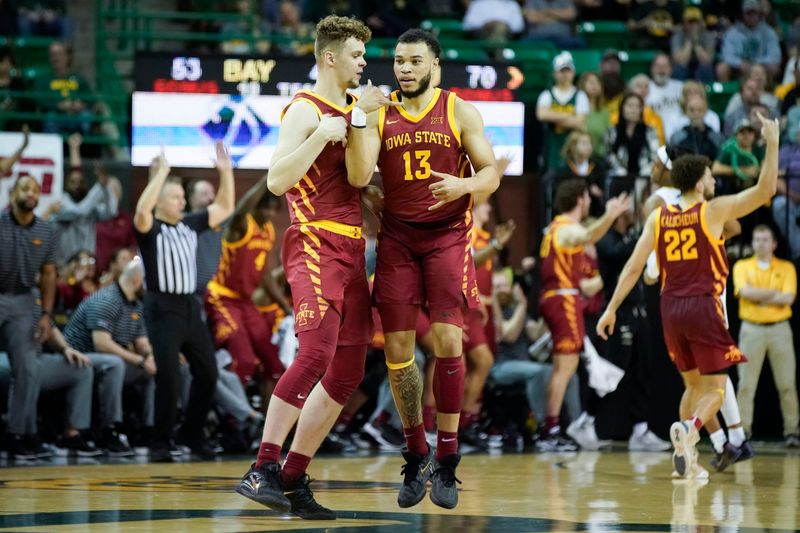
x=618, y=205
x=447, y=189
x=770, y=129
x=223, y=162
x=605, y=326
x=333, y=129
x=372, y=99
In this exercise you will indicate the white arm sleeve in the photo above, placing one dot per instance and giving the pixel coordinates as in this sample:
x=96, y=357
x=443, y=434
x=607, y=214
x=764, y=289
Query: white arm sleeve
x=651, y=270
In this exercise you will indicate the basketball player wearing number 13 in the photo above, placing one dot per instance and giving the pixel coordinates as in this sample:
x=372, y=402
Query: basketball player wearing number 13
x=689, y=247
x=424, y=140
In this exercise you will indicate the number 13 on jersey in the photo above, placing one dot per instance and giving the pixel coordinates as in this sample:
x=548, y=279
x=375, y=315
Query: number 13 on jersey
x=420, y=157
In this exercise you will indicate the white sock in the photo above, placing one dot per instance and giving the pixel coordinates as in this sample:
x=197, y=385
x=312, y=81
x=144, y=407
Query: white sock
x=718, y=440
x=730, y=407
x=639, y=429
x=736, y=436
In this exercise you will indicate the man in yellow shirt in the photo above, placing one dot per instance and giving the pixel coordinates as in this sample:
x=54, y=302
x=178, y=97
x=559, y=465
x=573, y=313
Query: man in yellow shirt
x=766, y=287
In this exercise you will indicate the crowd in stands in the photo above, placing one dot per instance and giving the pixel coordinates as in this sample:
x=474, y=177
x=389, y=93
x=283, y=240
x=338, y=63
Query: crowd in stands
x=599, y=127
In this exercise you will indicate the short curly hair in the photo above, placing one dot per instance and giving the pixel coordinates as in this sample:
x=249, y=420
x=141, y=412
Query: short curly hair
x=688, y=170
x=333, y=31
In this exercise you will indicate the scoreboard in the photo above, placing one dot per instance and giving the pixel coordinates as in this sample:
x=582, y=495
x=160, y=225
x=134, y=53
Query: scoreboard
x=186, y=102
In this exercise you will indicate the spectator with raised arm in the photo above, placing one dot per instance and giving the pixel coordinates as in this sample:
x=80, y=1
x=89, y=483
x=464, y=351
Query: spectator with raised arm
x=7, y=163
x=116, y=232
x=80, y=207
x=692, y=48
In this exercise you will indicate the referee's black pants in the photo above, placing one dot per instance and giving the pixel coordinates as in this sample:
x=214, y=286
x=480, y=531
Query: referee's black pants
x=175, y=325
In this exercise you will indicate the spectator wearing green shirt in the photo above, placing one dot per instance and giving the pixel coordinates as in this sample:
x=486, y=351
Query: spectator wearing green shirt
x=598, y=119
x=739, y=159
x=70, y=94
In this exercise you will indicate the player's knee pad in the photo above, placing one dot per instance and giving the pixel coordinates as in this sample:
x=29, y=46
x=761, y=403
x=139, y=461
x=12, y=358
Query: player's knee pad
x=345, y=373
x=314, y=356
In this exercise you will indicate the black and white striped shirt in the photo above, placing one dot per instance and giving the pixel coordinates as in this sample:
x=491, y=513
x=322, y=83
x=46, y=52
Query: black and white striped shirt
x=106, y=310
x=169, y=254
x=23, y=252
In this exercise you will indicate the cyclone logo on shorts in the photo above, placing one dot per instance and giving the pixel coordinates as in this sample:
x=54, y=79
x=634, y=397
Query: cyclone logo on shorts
x=237, y=125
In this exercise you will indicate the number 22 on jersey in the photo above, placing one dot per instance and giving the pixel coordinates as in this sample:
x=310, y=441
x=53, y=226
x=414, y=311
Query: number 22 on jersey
x=680, y=245
x=421, y=157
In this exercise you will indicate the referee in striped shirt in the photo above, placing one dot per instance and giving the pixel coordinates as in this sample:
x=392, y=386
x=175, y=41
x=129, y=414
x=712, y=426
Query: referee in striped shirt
x=168, y=243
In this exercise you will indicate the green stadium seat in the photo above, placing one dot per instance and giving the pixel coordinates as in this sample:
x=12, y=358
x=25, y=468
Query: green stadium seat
x=586, y=60
x=444, y=28
x=719, y=93
x=787, y=9
x=604, y=34
x=371, y=51
x=636, y=62
x=466, y=54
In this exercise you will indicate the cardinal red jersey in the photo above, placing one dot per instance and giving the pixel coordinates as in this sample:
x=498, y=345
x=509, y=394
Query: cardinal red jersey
x=323, y=193
x=412, y=146
x=242, y=264
x=483, y=272
x=691, y=260
x=561, y=267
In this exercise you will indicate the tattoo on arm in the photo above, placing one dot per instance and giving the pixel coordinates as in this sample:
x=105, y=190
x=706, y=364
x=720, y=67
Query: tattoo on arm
x=406, y=386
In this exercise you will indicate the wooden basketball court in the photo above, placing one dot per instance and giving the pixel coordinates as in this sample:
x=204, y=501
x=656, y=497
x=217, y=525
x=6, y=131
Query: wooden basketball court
x=587, y=491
